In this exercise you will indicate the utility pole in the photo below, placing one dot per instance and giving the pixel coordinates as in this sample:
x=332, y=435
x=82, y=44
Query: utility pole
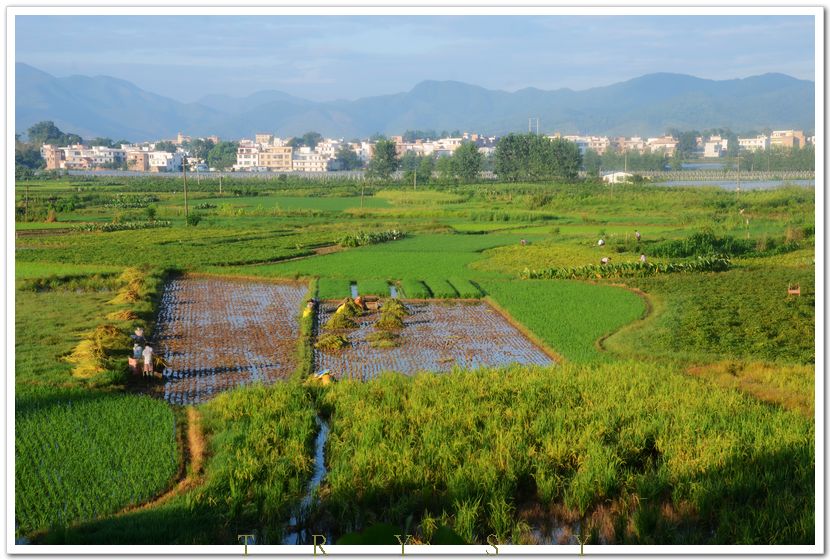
x=220, y=183
x=739, y=172
x=26, y=207
x=184, y=177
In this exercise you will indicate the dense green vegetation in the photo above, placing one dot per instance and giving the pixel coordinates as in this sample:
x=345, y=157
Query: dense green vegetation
x=685, y=463
x=61, y=440
x=680, y=409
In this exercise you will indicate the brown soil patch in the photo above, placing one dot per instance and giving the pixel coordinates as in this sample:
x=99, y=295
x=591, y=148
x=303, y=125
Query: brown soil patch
x=218, y=333
x=435, y=337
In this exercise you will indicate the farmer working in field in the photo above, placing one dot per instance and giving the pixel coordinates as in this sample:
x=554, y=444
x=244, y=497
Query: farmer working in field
x=148, y=361
x=604, y=260
x=637, y=235
x=138, y=337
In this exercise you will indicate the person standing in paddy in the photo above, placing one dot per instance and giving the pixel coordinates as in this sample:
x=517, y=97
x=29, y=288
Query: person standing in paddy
x=148, y=360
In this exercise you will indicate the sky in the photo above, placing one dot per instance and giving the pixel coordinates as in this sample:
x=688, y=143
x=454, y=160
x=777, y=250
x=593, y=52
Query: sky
x=347, y=57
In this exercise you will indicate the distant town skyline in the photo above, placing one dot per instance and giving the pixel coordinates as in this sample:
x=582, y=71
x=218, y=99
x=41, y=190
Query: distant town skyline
x=324, y=58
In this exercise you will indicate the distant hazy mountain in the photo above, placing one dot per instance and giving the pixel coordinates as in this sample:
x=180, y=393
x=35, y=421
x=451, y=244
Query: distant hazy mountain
x=648, y=105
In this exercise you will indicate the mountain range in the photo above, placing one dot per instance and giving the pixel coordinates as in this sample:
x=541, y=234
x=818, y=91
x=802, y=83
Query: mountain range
x=646, y=106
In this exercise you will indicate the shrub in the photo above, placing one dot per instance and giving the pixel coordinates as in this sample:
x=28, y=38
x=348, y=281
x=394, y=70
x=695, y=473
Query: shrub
x=718, y=263
x=361, y=238
x=193, y=219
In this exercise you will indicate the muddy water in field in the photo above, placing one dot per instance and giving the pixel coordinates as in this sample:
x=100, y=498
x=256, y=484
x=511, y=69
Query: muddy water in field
x=216, y=334
x=435, y=337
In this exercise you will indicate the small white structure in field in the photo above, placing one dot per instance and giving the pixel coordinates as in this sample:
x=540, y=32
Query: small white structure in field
x=618, y=177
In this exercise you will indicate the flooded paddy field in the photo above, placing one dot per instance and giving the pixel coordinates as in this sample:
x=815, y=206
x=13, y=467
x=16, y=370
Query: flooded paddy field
x=437, y=336
x=216, y=334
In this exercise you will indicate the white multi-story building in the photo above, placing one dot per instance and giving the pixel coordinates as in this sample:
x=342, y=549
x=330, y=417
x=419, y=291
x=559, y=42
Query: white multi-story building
x=760, y=142
x=715, y=147
x=102, y=156
x=305, y=159
x=665, y=144
x=247, y=155
x=165, y=161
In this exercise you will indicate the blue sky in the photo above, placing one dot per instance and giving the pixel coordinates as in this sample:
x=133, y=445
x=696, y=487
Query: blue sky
x=346, y=57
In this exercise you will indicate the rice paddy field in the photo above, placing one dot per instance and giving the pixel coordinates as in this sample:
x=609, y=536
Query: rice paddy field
x=675, y=407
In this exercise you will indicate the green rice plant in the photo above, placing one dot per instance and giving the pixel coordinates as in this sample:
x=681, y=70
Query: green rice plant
x=83, y=455
x=739, y=314
x=333, y=288
x=618, y=437
x=568, y=316
x=441, y=289
x=465, y=288
x=415, y=289
x=466, y=518
x=373, y=287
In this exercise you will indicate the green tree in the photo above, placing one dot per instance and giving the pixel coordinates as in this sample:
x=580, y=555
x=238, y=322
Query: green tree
x=165, y=146
x=592, y=162
x=384, y=161
x=445, y=169
x=28, y=156
x=409, y=163
x=101, y=141
x=512, y=157
x=425, y=169
x=200, y=148
x=346, y=159
x=467, y=161
x=222, y=155
x=45, y=132
x=532, y=157
x=310, y=139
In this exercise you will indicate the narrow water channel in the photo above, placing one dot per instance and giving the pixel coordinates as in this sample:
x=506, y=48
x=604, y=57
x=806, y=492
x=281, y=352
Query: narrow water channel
x=353, y=287
x=393, y=291
x=298, y=531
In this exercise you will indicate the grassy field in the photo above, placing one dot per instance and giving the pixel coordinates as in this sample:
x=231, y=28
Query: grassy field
x=684, y=463
x=681, y=409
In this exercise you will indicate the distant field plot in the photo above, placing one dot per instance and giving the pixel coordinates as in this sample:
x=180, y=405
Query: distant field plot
x=374, y=287
x=412, y=197
x=82, y=455
x=218, y=334
x=569, y=316
x=277, y=203
x=435, y=337
x=333, y=288
x=414, y=289
x=25, y=269
x=176, y=246
x=434, y=254
x=440, y=288
x=741, y=313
